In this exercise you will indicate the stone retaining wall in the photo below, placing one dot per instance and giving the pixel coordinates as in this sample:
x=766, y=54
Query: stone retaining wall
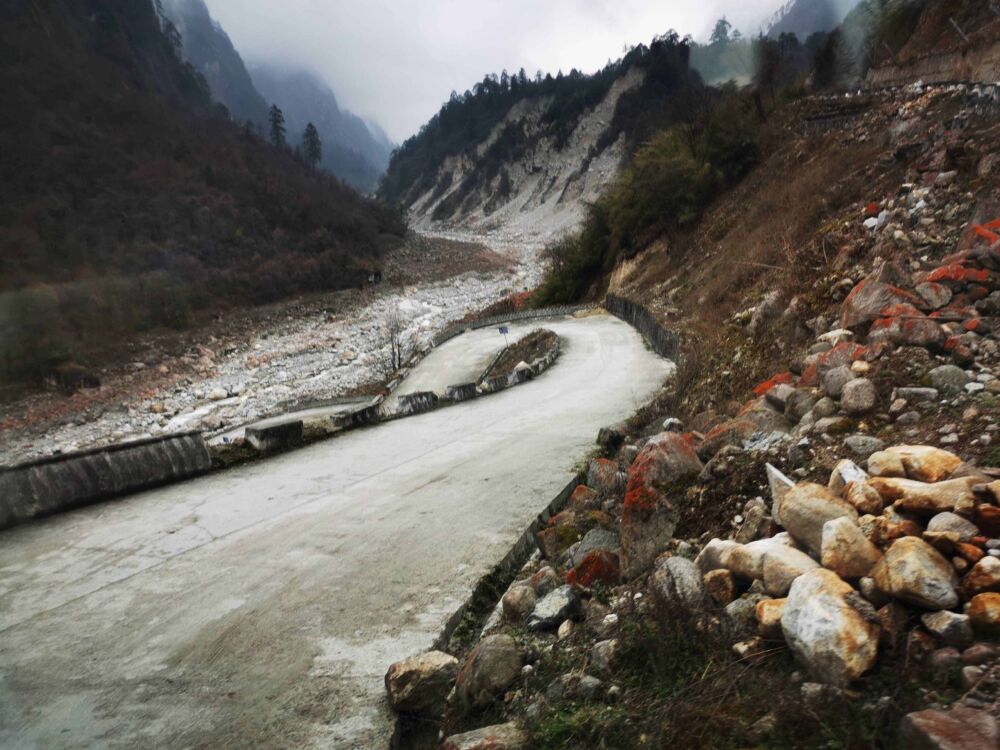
x=514, y=317
x=59, y=483
x=664, y=342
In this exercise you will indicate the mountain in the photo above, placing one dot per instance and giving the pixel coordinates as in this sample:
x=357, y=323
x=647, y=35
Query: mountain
x=208, y=48
x=351, y=149
x=130, y=201
x=806, y=17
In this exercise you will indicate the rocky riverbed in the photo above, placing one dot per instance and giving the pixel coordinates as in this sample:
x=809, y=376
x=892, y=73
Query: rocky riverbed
x=300, y=355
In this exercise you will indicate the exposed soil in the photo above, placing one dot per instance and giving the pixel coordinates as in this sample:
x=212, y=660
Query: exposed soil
x=529, y=348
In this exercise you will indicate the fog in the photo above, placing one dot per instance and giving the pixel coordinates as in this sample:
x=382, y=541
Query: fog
x=397, y=61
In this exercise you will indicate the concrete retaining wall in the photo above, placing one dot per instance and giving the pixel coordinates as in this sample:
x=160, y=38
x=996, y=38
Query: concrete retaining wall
x=416, y=403
x=462, y=392
x=498, y=320
x=59, y=483
x=663, y=342
x=277, y=437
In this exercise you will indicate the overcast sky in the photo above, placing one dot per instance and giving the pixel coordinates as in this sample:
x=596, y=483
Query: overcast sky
x=397, y=61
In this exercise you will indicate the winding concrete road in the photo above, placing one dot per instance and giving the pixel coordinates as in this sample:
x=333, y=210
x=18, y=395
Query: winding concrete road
x=260, y=607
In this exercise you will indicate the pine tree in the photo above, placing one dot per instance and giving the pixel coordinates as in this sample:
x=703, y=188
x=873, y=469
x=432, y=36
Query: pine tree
x=312, y=145
x=277, y=119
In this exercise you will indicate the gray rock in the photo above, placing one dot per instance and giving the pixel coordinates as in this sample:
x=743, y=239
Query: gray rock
x=673, y=424
x=858, y=396
x=825, y=407
x=908, y=418
x=863, y=445
x=603, y=656
x=741, y=614
x=951, y=628
x=806, y=508
x=918, y=395
x=949, y=379
x=835, y=379
x=554, y=607
x=948, y=521
x=497, y=737
x=677, y=582
x=778, y=396
x=833, y=425
x=798, y=404
x=489, y=670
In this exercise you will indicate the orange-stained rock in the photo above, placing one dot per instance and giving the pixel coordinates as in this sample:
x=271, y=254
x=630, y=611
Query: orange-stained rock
x=829, y=627
x=769, y=614
x=563, y=518
x=914, y=572
x=984, y=613
x=905, y=325
x=925, y=498
x=970, y=552
x=865, y=498
x=584, y=498
x=867, y=300
x=720, y=586
x=843, y=353
x=599, y=566
x=984, y=576
x=926, y=463
x=420, y=685
x=649, y=517
x=845, y=549
x=604, y=476
x=988, y=519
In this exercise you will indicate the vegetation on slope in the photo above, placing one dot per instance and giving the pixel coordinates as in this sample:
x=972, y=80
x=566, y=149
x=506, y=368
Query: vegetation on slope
x=129, y=201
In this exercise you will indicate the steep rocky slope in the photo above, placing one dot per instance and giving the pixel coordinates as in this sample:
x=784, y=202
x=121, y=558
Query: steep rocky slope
x=543, y=186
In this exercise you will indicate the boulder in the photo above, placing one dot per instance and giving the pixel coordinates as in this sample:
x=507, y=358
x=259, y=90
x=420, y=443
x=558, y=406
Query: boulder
x=583, y=499
x=782, y=565
x=649, y=518
x=886, y=464
x=829, y=627
x=596, y=539
x=741, y=615
x=961, y=728
x=806, y=508
x=935, y=296
x=836, y=379
x=604, y=476
x=865, y=498
x=868, y=299
x=846, y=551
x=984, y=614
x=863, y=446
x=948, y=379
x=769, y=613
x=747, y=560
x=489, y=670
x=905, y=325
x=778, y=484
x=843, y=474
x=914, y=572
x=518, y=602
x=600, y=566
x=554, y=607
x=545, y=580
x=984, y=576
x=497, y=737
x=858, y=396
x=604, y=656
x=926, y=463
x=951, y=522
x=924, y=498
x=720, y=585
x=420, y=685
x=676, y=582
x=950, y=628
x=715, y=555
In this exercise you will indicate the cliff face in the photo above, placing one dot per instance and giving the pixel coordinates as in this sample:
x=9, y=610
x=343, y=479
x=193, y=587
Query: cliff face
x=519, y=180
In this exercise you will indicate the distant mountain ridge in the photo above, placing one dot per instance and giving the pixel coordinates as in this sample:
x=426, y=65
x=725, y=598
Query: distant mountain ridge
x=353, y=150
x=806, y=17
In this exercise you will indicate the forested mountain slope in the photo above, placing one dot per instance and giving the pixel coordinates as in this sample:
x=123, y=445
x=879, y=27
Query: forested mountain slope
x=128, y=201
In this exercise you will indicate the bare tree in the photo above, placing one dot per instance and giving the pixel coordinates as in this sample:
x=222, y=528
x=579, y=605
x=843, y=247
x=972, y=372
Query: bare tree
x=392, y=351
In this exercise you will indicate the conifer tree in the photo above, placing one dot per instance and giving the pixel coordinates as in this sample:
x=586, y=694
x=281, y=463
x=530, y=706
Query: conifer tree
x=312, y=145
x=277, y=120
